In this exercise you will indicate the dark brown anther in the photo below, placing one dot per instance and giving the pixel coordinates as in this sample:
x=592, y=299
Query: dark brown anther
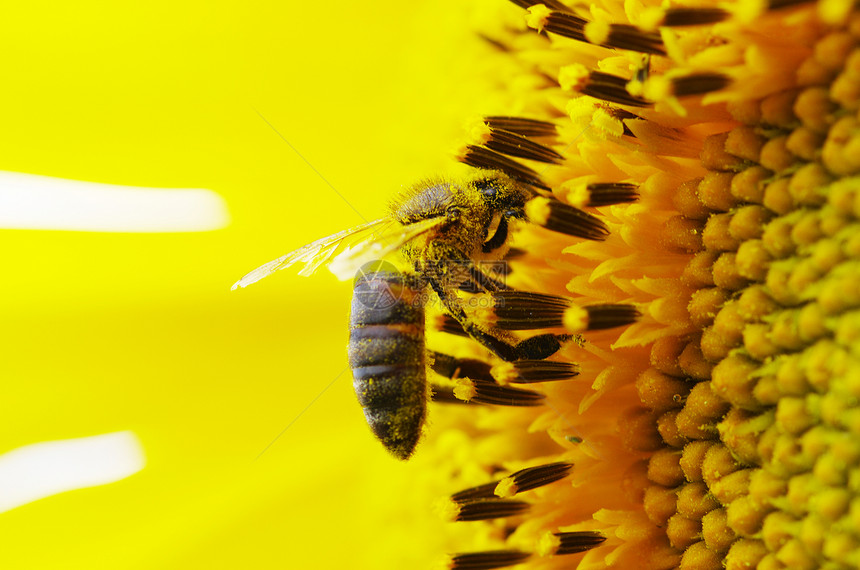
x=689, y=16
x=625, y=36
x=551, y=4
x=524, y=310
x=612, y=88
x=521, y=126
x=609, y=193
x=560, y=217
x=573, y=542
x=608, y=315
x=451, y=367
x=698, y=84
x=481, y=157
x=492, y=509
x=512, y=144
x=487, y=560
x=492, y=393
x=531, y=371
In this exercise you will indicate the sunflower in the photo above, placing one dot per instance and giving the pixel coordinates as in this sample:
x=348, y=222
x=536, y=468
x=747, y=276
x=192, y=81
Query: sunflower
x=721, y=429
x=718, y=429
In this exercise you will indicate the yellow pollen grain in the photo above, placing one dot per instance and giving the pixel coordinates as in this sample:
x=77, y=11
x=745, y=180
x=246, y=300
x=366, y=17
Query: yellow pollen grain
x=573, y=77
x=538, y=210
x=575, y=319
x=448, y=510
x=536, y=17
x=504, y=373
x=548, y=544
x=506, y=488
x=606, y=124
x=578, y=195
x=597, y=32
x=464, y=390
x=480, y=132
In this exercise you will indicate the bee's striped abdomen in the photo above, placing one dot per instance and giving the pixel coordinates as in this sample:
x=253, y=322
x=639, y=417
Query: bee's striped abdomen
x=386, y=354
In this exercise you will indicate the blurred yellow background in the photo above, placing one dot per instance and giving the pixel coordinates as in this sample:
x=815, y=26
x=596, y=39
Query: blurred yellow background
x=105, y=332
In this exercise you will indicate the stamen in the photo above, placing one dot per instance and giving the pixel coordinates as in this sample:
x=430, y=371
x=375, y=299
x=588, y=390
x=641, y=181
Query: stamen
x=603, y=194
x=451, y=367
x=656, y=17
x=699, y=83
x=484, y=158
x=483, y=392
x=624, y=36
x=521, y=126
x=445, y=395
x=599, y=317
x=551, y=4
x=561, y=543
x=486, y=510
x=559, y=217
x=524, y=310
x=517, y=482
x=447, y=324
x=532, y=478
x=613, y=36
x=600, y=85
x=487, y=560
x=560, y=22
x=515, y=253
x=513, y=144
x=608, y=87
x=530, y=371
x=484, y=491
x=777, y=4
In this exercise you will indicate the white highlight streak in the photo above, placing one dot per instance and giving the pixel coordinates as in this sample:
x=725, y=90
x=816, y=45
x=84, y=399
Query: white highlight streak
x=35, y=202
x=44, y=469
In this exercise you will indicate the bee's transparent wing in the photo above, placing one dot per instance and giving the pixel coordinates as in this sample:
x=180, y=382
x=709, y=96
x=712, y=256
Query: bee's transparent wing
x=314, y=254
x=382, y=243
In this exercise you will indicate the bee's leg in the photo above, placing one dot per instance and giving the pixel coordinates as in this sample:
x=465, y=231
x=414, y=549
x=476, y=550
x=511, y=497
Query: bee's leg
x=499, y=238
x=459, y=271
x=534, y=348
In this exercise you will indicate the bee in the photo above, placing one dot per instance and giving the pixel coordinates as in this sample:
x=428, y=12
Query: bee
x=445, y=232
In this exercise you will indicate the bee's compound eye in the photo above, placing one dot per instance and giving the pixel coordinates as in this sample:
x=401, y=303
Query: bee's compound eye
x=487, y=187
x=453, y=213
